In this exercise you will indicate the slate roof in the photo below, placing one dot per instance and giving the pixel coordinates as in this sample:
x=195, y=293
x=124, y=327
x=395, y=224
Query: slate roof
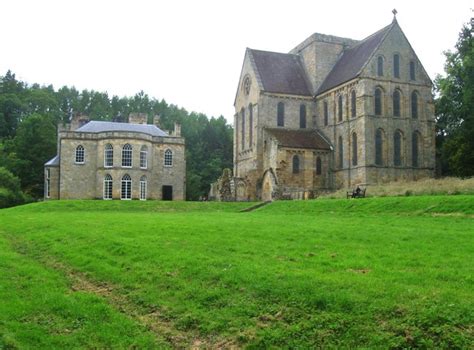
x=353, y=60
x=300, y=138
x=53, y=162
x=281, y=72
x=98, y=126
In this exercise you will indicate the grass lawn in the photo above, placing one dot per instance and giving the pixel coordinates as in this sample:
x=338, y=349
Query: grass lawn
x=376, y=272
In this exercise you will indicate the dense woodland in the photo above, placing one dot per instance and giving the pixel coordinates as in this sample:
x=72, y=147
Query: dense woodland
x=29, y=115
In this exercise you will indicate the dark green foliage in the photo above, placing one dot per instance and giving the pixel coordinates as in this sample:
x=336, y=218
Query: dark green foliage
x=29, y=115
x=455, y=107
x=10, y=193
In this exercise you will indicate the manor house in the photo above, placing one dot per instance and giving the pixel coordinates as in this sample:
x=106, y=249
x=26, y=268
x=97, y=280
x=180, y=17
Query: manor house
x=109, y=160
x=333, y=112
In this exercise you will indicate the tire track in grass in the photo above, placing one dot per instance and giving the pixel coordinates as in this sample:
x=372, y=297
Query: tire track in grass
x=150, y=319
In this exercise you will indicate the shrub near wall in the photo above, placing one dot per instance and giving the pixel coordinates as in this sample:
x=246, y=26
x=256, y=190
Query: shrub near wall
x=10, y=193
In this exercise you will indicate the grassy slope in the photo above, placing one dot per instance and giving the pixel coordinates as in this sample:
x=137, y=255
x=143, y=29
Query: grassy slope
x=375, y=272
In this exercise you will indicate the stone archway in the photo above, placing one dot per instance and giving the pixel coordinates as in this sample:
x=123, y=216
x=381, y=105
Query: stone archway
x=269, y=185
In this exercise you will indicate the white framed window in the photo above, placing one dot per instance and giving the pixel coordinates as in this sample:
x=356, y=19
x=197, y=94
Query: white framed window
x=108, y=156
x=80, y=156
x=127, y=156
x=168, y=158
x=126, y=192
x=108, y=187
x=47, y=185
x=144, y=157
x=143, y=188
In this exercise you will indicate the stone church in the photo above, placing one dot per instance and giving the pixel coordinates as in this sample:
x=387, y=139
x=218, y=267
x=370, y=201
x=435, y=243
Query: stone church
x=332, y=113
x=109, y=160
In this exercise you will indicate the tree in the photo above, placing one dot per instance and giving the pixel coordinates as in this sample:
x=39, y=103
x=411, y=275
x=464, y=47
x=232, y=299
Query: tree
x=10, y=193
x=455, y=106
x=33, y=145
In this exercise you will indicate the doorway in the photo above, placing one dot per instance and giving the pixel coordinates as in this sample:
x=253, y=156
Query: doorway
x=167, y=193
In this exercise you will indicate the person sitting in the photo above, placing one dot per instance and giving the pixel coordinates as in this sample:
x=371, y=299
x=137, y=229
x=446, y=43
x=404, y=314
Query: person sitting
x=356, y=192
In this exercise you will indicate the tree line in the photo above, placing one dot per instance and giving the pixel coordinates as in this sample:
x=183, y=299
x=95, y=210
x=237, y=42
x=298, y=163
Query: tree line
x=30, y=114
x=455, y=108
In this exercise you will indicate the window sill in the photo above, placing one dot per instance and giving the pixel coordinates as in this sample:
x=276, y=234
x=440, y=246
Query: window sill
x=77, y=163
x=128, y=167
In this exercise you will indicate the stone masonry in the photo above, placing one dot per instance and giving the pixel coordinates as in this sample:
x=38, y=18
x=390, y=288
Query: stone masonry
x=358, y=113
x=72, y=180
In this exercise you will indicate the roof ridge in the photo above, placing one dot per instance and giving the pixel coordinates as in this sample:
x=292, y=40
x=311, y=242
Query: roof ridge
x=275, y=52
x=369, y=37
x=354, y=59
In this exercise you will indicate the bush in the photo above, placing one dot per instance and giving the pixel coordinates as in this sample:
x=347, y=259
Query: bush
x=10, y=193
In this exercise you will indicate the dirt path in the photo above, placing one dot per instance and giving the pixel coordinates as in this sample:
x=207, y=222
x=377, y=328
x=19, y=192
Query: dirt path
x=150, y=318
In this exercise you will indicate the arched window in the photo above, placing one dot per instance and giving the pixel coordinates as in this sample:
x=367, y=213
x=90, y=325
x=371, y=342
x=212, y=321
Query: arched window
x=412, y=70
x=397, y=148
x=319, y=167
x=108, y=187
x=354, y=148
x=378, y=101
x=143, y=188
x=242, y=113
x=379, y=147
x=296, y=164
x=396, y=66
x=326, y=113
x=108, y=156
x=380, y=66
x=127, y=156
x=414, y=105
x=340, y=145
x=80, y=157
x=339, y=108
x=415, y=144
x=396, y=103
x=144, y=157
x=250, y=125
x=281, y=114
x=353, y=104
x=168, y=158
x=302, y=116
x=126, y=192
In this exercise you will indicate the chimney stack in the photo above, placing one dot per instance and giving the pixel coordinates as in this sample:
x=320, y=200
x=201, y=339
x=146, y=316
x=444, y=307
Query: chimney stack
x=77, y=121
x=177, y=129
x=137, y=118
x=156, y=120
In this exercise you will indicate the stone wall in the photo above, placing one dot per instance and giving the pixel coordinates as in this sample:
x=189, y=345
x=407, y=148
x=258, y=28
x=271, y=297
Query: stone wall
x=85, y=181
x=320, y=53
x=53, y=182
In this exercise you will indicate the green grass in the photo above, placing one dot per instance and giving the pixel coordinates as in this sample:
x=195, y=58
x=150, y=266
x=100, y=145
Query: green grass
x=378, y=272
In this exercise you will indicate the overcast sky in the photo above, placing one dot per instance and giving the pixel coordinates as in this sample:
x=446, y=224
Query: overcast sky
x=190, y=52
